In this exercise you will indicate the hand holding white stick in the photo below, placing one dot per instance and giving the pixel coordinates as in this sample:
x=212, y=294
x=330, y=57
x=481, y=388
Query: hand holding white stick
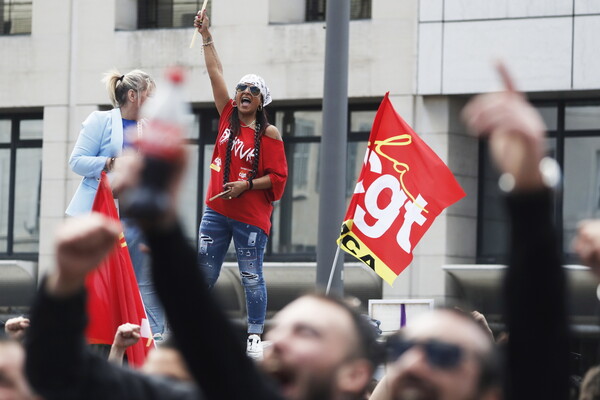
x=195, y=30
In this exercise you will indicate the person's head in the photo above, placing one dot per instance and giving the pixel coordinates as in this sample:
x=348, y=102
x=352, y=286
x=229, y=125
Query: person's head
x=13, y=384
x=166, y=360
x=321, y=349
x=590, y=387
x=442, y=355
x=250, y=97
x=251, y=94
x=129, y=90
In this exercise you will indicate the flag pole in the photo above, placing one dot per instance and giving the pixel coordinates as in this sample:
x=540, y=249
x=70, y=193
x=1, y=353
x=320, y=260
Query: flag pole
x=335, y=259
x=332, y=174
x=196, y=30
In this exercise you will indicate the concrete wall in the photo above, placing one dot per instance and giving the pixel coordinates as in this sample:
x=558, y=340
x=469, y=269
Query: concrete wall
x=549, y=45
x=421, y=51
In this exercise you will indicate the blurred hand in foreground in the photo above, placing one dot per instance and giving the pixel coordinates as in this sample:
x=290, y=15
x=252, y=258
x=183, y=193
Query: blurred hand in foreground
x=15, y=327
x=515, y=131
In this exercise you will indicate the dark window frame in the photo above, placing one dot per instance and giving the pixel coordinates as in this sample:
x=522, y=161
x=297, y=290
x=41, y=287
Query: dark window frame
x=154, y=14
x=316, y=9
x=13, y=145
x=6, y=23
x=206, y=117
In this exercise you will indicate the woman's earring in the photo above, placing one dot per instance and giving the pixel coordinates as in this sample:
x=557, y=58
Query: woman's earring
x=260, y=107
x=234, y=104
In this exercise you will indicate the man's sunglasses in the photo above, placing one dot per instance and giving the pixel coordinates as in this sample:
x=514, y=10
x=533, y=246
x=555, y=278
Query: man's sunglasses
x=438, y=354
x=254, y=90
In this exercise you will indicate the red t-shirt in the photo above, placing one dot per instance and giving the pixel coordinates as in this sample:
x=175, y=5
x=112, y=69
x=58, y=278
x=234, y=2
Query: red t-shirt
x=253, y=207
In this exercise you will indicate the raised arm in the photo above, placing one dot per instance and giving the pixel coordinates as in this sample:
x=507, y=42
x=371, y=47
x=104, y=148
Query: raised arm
x=213, y=64
x=127, y=335
x=535, y=289
x=59, y=365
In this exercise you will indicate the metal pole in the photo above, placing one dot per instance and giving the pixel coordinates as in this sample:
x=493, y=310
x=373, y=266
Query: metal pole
x=332, y=173
x=333, y=268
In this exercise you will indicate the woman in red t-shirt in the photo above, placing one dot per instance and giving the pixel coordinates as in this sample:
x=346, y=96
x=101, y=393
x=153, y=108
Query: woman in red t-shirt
x=248, y=173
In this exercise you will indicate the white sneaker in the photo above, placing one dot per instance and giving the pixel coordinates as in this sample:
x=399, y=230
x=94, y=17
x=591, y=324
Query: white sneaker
x=254, y=347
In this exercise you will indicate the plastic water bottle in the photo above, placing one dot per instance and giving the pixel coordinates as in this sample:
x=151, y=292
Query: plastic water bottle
x=167, y=123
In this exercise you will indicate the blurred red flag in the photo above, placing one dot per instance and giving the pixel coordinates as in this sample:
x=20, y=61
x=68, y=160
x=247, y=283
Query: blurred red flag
x=402, y=188
x=113, y=294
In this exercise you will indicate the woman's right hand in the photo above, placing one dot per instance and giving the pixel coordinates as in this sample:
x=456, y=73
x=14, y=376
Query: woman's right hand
x=201, y=22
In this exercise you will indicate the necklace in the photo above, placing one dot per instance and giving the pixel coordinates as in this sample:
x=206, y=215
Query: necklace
x=139, y=128
x=250, y=125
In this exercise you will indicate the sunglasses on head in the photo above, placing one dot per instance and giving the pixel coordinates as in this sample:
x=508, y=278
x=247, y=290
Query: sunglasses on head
x=438, y=354
x=254, y=90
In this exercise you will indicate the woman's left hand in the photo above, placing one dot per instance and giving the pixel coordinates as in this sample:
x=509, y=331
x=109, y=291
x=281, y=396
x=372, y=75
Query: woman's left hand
x=237, y=188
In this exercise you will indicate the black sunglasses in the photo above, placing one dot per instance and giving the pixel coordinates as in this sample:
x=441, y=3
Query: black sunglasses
x=438, y=354
x=254, y=90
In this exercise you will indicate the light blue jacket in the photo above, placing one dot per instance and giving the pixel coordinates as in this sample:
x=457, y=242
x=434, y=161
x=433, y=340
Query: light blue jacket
x=100, y=138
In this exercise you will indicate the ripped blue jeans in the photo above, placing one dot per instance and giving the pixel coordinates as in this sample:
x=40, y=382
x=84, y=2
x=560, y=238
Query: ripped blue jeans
x=216, y=232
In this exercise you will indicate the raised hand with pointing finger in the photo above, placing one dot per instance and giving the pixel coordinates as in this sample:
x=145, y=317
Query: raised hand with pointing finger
x=515, y=130
x=534, y=283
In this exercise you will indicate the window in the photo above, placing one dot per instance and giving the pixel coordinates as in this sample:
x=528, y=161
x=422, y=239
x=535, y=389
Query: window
x=574, y=141
x=294, y=230
x=15, y=17
x=359, y=9
x=195, y=181
x=153, y=14
x=20, y=185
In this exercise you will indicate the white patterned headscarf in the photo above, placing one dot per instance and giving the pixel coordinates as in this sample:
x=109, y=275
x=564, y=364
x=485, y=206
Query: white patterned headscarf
x=259, y=83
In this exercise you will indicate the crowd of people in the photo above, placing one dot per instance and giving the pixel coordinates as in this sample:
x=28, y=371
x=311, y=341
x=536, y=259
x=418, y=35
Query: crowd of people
x=320, y=347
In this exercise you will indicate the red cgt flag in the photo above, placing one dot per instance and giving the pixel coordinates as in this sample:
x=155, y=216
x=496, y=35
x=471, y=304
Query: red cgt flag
x=113, y=294
x=402, y=188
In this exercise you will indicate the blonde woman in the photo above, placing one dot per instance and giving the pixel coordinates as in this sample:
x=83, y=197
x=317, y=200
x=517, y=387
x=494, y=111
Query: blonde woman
x=99, y=147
